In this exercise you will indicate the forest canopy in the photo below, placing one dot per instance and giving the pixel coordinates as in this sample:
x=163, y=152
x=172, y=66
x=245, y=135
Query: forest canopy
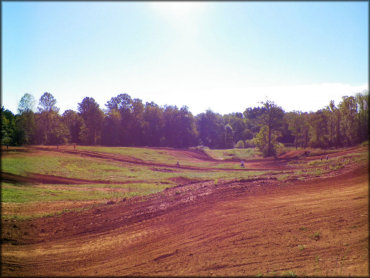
x=129, y=122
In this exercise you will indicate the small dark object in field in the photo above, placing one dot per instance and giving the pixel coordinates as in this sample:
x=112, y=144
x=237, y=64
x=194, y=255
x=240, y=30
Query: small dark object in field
x=124, y=200
x=327, y=157
x=178, y=164
x=110, y=202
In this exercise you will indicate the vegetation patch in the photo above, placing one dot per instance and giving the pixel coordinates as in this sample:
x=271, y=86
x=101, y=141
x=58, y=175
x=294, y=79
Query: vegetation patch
x=22, y=194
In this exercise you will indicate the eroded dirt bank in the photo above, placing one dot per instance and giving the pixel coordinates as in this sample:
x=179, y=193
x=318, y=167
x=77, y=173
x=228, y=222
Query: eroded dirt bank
x=318, y=227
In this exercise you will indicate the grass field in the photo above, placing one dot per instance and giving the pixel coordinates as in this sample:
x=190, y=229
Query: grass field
x=99, y=198
x=112, y=179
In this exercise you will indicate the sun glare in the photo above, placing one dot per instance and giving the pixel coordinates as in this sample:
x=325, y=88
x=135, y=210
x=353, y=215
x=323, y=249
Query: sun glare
x=177, y=9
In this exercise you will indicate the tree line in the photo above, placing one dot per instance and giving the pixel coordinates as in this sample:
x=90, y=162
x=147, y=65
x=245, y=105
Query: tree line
x=130, y=122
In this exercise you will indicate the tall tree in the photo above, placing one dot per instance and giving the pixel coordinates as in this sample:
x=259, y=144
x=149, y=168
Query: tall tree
x=298, y=125
x=137, y=119
x=111, y=128
x=8, y=127
x=188, y=131
x=362, y=101
x=272, y=119
x=238, y=125
x=50, y=126
x=26, y=104
x=153, y=125
x=93, y=118
x=318, y=129
x=211, y=129
x=47, y=103
x=229, y=136
x=74, y=123
x=124, y=105
x=25, y=121
x=349, y=124
x=25, y=128
x=333, y=124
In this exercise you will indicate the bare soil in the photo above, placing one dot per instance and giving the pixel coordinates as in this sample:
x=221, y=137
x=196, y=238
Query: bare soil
x=259, y=226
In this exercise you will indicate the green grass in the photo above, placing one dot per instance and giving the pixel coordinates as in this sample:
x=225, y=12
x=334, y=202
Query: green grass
x=240, y=154
x=143, y=179
x=149, y=155
x=23, y=194
x=145, y=154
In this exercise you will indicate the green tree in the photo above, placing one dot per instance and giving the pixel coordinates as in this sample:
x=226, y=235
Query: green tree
x=8, y=127
x=137, y=121
x=229, y=138
x=93, y=118
x=47, y=103
x=153, y=124
x=25, y=132
x=26, y=104
x=211, y=129
x=74, y=123
x=349, y=125
x=272, y=119
x=124, y=104
x=318, y=129
x=362, y=101
x=239, y=126
x=25, y=128
x=187, y=132
x=333, y=116
x=51, y=129
x=266, y=141
x=298, y=125
x=111, y=128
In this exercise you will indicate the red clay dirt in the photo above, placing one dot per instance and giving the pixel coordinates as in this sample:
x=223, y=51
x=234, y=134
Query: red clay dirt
x=263, y=226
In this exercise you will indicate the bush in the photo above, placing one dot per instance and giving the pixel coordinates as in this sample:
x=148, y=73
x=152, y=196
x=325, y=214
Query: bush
x=249, y=143
x=239, y=145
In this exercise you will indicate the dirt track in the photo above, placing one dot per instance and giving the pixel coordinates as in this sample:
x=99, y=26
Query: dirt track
x=236, y=228
x=251, y=165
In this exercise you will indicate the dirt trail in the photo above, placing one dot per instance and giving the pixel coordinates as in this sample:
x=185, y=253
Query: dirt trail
x=251, y=165
x=33, y=178
x=318, y=227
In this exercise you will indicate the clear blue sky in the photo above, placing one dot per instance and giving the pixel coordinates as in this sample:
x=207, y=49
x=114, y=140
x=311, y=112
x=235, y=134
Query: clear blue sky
x=217, y=55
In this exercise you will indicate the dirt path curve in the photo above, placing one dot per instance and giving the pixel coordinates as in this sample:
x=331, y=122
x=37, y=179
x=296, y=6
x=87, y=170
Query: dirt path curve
x=50, y=179
x=319, y=227
x=262, y=165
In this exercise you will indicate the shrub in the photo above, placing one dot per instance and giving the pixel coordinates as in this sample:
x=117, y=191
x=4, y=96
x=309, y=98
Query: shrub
x=249, y=143
x=239, y=145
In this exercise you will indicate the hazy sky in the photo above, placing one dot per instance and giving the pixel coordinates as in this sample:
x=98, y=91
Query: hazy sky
x=217, y=55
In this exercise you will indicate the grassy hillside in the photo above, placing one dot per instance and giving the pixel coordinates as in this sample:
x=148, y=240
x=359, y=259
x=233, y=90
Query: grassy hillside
x=129, y=172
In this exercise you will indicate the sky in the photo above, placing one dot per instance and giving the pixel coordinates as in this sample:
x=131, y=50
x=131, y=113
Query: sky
x=223, y=56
